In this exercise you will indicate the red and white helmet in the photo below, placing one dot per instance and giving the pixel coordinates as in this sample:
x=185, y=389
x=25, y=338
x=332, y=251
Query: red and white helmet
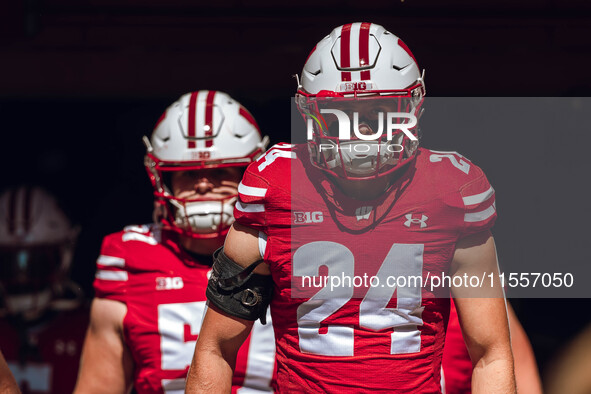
x=36, y=248
x=361, y=62
x=201, y=130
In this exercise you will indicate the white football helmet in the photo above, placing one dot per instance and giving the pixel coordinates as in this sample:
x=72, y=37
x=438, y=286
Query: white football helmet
x=36, y=247
x=201, y=130
x=356, y=65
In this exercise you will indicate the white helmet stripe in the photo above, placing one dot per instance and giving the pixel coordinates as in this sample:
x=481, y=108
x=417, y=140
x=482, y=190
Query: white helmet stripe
x=354, y=51
x=199, y=118
x=209, y=118
x=191, y=120
x=204, y=122
x=364, y=50
x=354, y=45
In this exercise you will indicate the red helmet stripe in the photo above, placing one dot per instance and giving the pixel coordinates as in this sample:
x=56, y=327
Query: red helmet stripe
x=209, y=118
x=364, y=50
x=250, y=119
x=403, y=45
x=310, y=54
x=346, y=51
x=192, y=120
x=160, y=120
x=12, y=212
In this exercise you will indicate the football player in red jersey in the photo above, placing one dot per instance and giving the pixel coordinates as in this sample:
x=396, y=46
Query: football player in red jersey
x=151, y=279
x=43, y=314
x=342, y=209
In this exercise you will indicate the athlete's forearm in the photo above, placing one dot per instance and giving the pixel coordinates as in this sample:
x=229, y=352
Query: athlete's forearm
x=527, y=376
x=214, y=360
x=209, y=373
x=493, y=373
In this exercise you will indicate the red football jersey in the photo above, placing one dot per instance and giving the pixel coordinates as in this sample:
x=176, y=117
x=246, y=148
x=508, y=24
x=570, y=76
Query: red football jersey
x=360, y=336
x=164, y=291
x=457, y=366
x=44, y=357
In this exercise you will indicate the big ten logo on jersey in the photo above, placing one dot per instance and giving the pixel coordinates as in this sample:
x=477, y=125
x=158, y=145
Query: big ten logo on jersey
x=164, y=283
x=300, y=217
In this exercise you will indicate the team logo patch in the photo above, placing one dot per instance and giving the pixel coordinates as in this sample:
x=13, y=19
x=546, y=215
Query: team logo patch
x=422, y=222
x=164, y=283
x=363, y=213
x=307, y=217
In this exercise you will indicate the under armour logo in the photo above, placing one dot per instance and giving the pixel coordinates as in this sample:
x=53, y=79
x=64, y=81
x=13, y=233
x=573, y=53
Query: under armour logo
x=410, y=220
x=363, y=212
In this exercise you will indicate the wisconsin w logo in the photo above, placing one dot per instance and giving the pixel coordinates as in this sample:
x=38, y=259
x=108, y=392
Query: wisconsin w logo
x=363, y=213
x=410, y=220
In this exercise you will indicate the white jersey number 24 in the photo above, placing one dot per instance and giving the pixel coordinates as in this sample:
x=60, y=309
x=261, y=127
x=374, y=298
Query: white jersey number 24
x=402, y=260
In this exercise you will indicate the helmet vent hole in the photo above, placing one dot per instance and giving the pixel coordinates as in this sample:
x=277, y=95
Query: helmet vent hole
x=315, y=73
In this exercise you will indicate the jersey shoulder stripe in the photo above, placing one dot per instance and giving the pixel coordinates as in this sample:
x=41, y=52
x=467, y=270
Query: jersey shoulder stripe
x=113, y=263
x=478, y=198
